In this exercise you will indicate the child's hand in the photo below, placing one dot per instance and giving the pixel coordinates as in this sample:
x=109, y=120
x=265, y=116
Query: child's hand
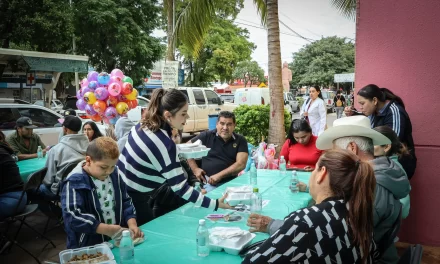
x=136, y=232
x=302, y=186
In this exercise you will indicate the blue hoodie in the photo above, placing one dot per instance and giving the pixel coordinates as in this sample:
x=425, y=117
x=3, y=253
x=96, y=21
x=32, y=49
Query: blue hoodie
x=82, y=210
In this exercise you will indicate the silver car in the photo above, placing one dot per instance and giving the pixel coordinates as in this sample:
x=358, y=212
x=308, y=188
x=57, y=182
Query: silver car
x=289, y=100
x=56, y=105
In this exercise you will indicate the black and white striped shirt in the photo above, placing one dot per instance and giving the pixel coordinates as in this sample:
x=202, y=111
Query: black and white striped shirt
x=151, y=158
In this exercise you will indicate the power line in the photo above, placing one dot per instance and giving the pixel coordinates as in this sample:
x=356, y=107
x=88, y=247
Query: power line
x=260, y=27
x=299, y=35
x=319, y=36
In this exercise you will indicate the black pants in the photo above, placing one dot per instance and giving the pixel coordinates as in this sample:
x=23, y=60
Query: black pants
x=144, y=213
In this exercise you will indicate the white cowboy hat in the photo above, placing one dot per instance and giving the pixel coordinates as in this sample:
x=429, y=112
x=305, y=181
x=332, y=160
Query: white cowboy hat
x=353, y=126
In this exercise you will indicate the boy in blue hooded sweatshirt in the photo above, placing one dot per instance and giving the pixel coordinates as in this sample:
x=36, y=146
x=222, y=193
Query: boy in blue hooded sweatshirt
x=94, y=200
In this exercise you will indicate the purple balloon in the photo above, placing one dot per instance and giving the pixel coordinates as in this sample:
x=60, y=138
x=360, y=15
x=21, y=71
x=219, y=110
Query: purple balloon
x=110, y=112
x=81, y=104
x=101, y=93
x=85, y=90
x=78, y=94
x=89, y=110
x=93, y=85
x=92, y=76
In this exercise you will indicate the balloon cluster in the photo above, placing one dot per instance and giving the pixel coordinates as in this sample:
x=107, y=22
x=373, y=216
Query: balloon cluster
x=106, y=96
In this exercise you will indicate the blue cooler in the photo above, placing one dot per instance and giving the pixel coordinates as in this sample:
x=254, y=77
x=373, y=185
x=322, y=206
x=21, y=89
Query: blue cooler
x=212, y=121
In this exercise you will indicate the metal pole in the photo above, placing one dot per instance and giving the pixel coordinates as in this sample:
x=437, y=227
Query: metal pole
x=74, y=53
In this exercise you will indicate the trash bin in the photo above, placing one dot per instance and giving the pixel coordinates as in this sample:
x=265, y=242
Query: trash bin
x=212, y=121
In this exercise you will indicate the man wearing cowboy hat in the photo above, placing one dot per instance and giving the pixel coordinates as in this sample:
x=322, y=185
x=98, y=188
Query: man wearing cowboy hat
x=24, y=142
x=355, y=134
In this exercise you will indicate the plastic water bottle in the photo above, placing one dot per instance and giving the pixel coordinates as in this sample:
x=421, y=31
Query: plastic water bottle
x=256, y=202
x=253, y=175
x=282, y=166
x=126, y=248
x=39, y=152
x=293, y=182
x=202, y=239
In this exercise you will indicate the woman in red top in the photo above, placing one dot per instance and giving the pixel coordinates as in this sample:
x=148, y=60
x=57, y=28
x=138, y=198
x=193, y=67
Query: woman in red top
x=300, y=150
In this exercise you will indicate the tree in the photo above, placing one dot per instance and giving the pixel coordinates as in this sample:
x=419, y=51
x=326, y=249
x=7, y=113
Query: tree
x=116, y=34
x=223, y=48
x=249, y=71
x=39, y=25
x=346, y=7
x=318, y=62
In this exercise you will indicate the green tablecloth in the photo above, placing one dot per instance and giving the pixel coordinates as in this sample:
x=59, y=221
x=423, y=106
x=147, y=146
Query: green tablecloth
x=29, y=166
x=171, y=238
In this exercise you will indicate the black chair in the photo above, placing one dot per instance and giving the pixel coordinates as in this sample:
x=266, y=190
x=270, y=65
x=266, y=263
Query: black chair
x=413, y=255
x=33, y=182
x=55, y=205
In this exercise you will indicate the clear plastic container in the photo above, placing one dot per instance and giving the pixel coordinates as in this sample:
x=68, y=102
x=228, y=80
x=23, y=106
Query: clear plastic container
x=106, y=258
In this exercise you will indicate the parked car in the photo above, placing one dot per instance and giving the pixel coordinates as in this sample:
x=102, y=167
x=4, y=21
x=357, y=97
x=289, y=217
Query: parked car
x=56, y=105
x=49, y=129
x=227, y=97
x=261, y=96
x=291, y=101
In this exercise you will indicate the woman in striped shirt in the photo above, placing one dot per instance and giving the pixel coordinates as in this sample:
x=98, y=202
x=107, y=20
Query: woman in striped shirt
x=150, y=157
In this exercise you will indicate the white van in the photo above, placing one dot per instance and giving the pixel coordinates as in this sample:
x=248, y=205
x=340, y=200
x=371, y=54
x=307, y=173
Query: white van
x=259, y=96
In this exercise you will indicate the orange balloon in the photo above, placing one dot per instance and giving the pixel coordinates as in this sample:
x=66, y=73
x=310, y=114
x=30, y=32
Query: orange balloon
x=122, y=108
x=112, y=101
x=96, y=118
x=133, y=95
x=127, y=88
x=99, y=107
x=132, y=103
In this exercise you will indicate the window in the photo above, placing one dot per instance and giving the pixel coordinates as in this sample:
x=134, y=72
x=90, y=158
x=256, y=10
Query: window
x=40, y=117
x=200, y=98
x=212, y=97
x=142, y=103
x=39, y=102
x=7, y=119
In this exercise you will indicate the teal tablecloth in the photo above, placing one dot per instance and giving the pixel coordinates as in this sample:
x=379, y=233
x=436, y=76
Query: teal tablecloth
x=29, y=166
x=171, y=238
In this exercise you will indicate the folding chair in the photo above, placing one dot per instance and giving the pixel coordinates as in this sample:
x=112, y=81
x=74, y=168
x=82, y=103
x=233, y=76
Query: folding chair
x=33, y=182
x=55, y=204
x=413, y=255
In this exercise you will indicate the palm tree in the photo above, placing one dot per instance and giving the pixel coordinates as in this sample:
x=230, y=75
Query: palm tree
x=346, y=7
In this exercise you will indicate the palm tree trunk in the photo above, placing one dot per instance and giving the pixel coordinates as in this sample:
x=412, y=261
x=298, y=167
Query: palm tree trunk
x=277, y=134
x=170, y=28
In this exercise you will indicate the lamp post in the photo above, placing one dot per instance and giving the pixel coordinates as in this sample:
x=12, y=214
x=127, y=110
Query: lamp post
x=74, y=53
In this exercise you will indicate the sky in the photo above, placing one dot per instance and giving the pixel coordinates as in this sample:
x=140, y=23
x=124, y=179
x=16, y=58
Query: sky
x=312, y=19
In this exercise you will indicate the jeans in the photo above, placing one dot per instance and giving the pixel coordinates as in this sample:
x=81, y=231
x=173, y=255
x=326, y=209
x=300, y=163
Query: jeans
x=339, y=111
x=9, y=202
x=45, y=192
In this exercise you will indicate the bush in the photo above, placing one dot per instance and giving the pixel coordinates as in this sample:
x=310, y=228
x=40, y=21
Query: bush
x=253, y=122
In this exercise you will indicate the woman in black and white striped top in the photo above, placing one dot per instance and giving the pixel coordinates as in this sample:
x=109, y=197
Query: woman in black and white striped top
x=150, y=156
x=338, y=229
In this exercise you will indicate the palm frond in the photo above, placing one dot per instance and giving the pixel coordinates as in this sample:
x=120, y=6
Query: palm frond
x=262, y=10
x=346, y=7
x=193, y=24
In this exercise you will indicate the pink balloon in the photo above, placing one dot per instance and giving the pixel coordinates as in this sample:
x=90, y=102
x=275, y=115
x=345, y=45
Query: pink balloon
x=81, y=104
x=84, y=82
x=117, y=72
x=114, y=89
x=89, y=110
x=101, y=93
x=110, y=112
x=115, y=79
x=92, y=76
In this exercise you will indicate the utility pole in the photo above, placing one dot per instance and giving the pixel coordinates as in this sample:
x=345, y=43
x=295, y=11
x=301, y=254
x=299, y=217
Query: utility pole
x=74, y=53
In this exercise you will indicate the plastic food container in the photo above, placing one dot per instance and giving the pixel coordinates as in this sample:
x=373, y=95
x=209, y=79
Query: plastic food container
x=233, y=245
x=238, y=198
x=67, y=255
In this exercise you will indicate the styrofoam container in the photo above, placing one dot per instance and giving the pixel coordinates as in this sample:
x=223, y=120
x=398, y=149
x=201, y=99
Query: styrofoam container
x=238, y=198
x=68, y=254
x=233, y=245
x=194, y=153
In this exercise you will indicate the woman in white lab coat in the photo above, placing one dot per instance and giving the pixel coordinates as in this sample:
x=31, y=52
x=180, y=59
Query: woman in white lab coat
x=315, y=111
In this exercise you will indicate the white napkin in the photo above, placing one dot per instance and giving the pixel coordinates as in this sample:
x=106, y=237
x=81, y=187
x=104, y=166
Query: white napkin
x=226, y=232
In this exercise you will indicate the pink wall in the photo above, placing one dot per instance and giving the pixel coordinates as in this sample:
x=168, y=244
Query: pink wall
x=398, y=47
